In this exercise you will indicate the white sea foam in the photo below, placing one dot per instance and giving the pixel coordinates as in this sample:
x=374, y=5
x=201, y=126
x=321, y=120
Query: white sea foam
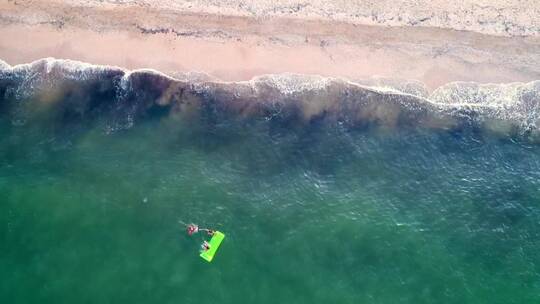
x=518, y=103
x=4, y=65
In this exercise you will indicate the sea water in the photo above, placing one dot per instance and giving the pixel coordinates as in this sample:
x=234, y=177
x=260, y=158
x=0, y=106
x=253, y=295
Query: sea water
x=313, y=212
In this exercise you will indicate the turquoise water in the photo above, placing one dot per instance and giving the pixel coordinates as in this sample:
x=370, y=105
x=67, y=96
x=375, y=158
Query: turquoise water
x=328, y=191
x=313, y=214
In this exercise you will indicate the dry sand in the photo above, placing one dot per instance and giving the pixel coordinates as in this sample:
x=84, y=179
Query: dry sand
x=234, y=45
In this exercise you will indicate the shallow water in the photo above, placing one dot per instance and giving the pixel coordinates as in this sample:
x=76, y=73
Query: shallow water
x=313, y=214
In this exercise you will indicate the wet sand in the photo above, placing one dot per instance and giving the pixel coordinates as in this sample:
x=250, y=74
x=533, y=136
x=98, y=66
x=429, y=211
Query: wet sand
x=240, y=47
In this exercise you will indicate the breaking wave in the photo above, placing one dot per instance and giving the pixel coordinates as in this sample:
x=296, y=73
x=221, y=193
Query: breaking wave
x=76, y=91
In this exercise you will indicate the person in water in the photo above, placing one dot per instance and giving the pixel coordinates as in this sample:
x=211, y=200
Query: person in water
x=192, y=229
x=205, y=246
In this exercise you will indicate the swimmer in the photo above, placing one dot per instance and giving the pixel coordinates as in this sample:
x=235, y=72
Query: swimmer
x=205, y=246
x=210, y=232
x=192, y=228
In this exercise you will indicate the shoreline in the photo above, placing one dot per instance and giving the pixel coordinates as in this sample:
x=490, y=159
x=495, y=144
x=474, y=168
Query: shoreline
x=117, y=99
x=237, y=48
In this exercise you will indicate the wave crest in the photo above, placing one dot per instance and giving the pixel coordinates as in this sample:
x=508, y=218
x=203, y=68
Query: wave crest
x=95, y=92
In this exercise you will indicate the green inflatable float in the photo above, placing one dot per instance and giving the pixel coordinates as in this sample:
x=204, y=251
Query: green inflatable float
x=214, y=243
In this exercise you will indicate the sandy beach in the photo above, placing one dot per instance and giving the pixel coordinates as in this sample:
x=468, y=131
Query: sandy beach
x=239, y=44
